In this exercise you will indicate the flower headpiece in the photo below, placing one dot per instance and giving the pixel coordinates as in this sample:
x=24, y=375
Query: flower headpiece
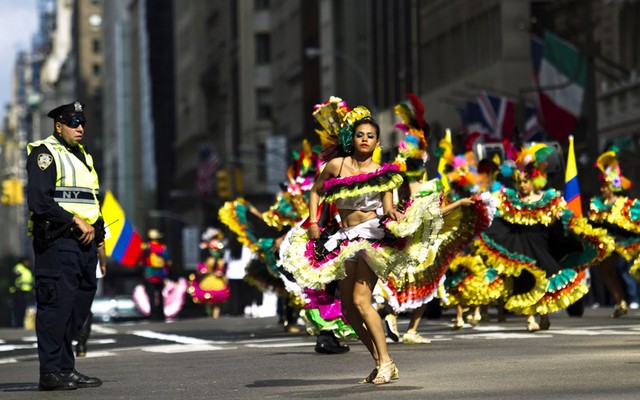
x=412, y=150
x=531, y=164
x=345, y=138
x=337, y=121
x=611, y=174
x=330, y=115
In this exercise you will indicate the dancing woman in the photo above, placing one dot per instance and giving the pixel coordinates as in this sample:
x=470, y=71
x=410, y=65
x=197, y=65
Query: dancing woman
x=620, y=215
x=539, y=244
x=366, y=247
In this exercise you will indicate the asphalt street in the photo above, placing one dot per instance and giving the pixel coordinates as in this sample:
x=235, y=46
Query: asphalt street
x=592, y=357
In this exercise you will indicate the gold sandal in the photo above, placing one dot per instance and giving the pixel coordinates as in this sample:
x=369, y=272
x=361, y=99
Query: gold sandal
x=386, y=373
x=369, y=378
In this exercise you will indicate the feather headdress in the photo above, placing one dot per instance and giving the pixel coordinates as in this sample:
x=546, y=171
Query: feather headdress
x=610, y=171
x=337, y=119
x=412, y=149
x=531, y=164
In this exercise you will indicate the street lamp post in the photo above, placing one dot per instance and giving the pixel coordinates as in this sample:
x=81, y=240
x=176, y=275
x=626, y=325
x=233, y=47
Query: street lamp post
x=315, y=52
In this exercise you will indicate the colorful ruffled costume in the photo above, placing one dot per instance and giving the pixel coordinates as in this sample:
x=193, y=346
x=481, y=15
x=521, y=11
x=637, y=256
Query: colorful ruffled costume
x=469, y=282
x=545, y=257
x=418, y=285
x=172, y=294
x=621, y=218
x=387, y=246
x=208, y=285
x=259, y=232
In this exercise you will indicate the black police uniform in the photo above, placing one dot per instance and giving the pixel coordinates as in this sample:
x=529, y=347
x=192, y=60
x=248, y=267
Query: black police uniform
x=65, y=275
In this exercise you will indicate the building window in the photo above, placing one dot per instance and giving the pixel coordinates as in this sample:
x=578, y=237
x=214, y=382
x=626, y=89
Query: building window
x=261, y=4
x=263, y=104
x=628, y=32
x=95, y=46
x=95, y=69
x=263, y=48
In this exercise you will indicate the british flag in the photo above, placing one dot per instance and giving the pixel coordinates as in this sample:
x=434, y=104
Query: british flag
x=494, y=117
x=208, y=164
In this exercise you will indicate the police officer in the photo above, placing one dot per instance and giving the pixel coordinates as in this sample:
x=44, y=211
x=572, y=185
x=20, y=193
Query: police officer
x=67, y=228
x=21, y=291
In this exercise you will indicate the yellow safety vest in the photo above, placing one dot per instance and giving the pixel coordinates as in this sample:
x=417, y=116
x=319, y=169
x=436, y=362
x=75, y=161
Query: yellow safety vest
x=24, y=280
x=76, y=186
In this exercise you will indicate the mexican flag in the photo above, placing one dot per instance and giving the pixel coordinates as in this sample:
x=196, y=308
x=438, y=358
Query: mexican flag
x=560, y=73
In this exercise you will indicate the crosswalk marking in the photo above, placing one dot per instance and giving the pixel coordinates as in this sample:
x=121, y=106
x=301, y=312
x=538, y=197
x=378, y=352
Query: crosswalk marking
x=98, y=354
x=438, y=331
x=184, y=348
x=169, y=337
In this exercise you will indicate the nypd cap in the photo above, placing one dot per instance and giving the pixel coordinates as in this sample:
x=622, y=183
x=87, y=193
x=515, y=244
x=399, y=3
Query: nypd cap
x=67, y=111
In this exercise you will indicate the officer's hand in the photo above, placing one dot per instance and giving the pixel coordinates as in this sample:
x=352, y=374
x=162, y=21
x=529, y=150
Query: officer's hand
x=88, y=231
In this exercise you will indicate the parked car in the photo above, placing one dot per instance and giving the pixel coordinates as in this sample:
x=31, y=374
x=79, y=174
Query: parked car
x=115, y=308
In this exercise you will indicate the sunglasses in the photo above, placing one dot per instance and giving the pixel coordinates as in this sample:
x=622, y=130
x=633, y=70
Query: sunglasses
x=75, y=122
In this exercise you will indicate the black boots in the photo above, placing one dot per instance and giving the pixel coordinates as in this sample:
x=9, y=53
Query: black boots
x=81, y=380
x=56, y=381
x=327, y=343
x=69, y=379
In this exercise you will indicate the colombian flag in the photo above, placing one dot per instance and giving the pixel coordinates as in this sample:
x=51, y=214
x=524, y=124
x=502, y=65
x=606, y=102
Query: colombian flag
x=571, y=186
x=123, y=242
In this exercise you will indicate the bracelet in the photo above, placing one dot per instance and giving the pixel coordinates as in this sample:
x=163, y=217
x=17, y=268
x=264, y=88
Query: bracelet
x=313, y=222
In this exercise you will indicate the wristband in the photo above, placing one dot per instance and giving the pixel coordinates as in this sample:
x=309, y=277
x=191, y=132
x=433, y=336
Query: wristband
x=313, y=223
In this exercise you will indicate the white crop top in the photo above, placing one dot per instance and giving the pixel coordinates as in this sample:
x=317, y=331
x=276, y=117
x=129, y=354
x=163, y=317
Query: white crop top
x=365, y=202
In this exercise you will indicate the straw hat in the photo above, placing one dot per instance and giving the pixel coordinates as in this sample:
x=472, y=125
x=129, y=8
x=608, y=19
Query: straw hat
x=154, y=234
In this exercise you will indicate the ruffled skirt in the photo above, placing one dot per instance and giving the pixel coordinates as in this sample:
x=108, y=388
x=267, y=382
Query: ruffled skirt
x=419, y=285
x=470, y=283
x=544, y=264
x=386, y=246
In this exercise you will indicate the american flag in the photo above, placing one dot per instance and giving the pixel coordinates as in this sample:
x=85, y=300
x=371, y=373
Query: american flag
x=208, y=164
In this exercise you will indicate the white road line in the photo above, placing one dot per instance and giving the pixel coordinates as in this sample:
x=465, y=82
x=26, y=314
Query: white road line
x=170, y=338
x=11, y=347
x=104, y=330
x=184, y=348
x=588, y=332
x=504, y=335
x=98, y=354
x=8, y=360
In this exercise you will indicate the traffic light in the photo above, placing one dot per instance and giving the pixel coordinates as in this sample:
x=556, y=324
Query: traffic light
x=223, y=179
x=7, y=192
x=12, y=192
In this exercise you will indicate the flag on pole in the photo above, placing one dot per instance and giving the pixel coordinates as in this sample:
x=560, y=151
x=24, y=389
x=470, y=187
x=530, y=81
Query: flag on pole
x=571, y=186
x=208, y=164
x=473, y=118
x=446, y=152
x=123, y=242
x=560, y=75
x=500, y=112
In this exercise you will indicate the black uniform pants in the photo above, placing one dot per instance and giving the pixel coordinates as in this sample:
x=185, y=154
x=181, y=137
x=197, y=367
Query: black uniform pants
x=65, y=285
x=19, y=307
